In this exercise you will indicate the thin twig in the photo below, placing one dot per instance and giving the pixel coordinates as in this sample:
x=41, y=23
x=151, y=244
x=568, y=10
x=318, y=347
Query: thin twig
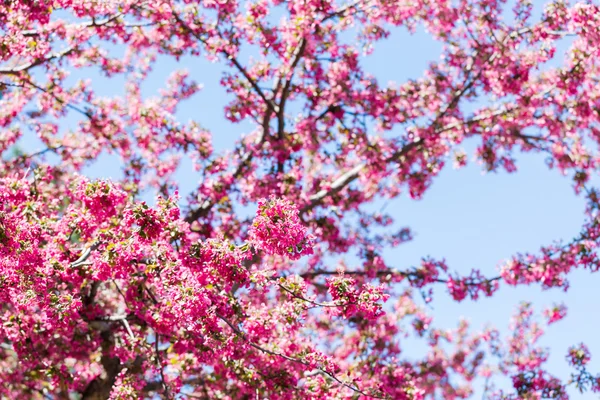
x=160, y=366
x=332, y=304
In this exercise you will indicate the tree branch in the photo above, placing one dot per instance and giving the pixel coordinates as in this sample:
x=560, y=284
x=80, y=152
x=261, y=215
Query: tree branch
x=160, y=366
x=331, y=304
x=51, y=56
x=35, y=63
x=86, y=254
x=345, y=179
x=269, y=103
x=411, y=275
x=292, y=359
x=297, y=56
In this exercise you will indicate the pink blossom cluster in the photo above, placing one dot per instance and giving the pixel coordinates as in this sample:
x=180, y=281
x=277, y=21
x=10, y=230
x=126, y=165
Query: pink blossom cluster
x=555, y=313
x=366, y=301
x=277, y=229
x=471, y=286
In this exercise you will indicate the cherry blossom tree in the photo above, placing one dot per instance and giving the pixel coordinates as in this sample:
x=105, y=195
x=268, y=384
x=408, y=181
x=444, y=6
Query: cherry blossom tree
x=105, y=295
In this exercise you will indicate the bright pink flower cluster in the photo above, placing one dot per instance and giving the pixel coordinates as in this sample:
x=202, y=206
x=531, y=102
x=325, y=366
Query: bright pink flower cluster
x=471, y=286
x=555, y=313
x=277, y=229
x=366, y=301
x=102, y=198
x=126, y=387
x=537, y=385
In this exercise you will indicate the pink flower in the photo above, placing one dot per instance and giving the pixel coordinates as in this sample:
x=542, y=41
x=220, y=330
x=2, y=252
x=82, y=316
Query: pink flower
x=555, y=313
x=101, y=197
x=277, y=229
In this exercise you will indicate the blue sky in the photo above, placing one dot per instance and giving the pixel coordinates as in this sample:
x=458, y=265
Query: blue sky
x=470, y=219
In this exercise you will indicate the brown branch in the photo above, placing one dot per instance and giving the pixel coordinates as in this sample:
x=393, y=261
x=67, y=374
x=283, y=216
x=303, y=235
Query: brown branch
x=272, y=108
x=160, y=366
x=412, y=274
x=297, y=56
x=207, y=205
x=89, y=299
x=100, y=387
x=270, y=104
x=331, y=304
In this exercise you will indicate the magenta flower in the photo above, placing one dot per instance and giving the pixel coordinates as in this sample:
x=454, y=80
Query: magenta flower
x=277, y=230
